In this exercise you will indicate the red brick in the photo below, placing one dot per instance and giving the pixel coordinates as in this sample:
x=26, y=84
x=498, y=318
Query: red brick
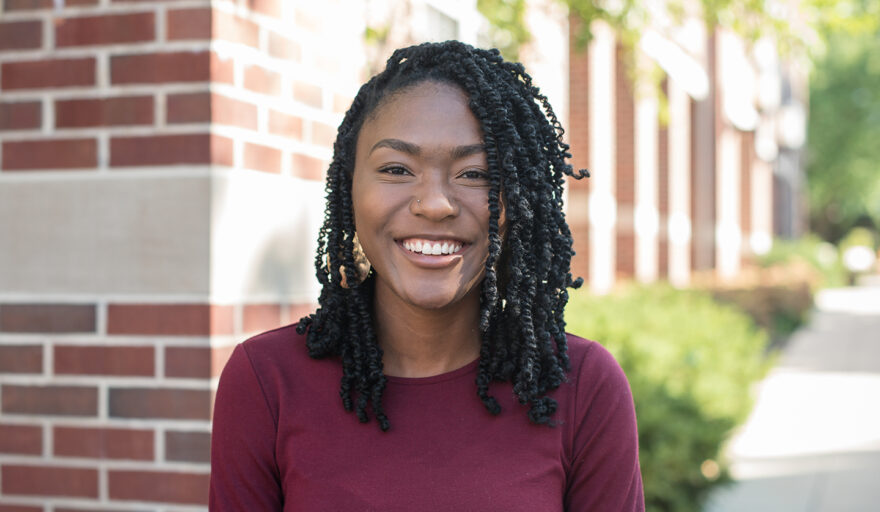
x=88, y=509
x=50, y=400
x=156, y=486
x=47, y=73
x=21, y=35
x=261, y=317
x=127, y=110
x=308, y=167
x=261, y=80
x=187, y=446
x=283, y=124
x=19, y=508
x=169, y=319
x=199, y=148
x=29, y=5
x=222, y=70
x=189, y=24
x=205, y=23
x=196, y=362
x=23, y=115
x=267, y=7
x=296, y=311
x=21, y=359
x=173, y=404
x=190, y=107
x=21, y=439
x=49, y=318
x=160, y=68
x=103, y=443
x=219, y=357
x=104, y=360
x=228, y=27
x=188, y=362
x=323, y=134
x=203, y=107
x=49, y=154
x=309, y=94
x=106, y=29
x=262, y=158
x=282, y=48
x=49, y=481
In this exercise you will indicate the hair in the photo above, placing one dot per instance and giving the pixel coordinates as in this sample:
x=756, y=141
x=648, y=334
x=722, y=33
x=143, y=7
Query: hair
x=527, y=274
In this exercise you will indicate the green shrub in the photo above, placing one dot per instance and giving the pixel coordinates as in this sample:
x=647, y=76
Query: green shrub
x=691, y=362
x=821, y=257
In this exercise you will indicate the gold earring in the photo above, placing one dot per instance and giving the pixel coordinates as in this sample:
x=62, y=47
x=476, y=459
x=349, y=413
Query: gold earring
x=361, y=263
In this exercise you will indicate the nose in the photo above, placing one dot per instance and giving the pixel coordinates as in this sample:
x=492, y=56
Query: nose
x=434, y=198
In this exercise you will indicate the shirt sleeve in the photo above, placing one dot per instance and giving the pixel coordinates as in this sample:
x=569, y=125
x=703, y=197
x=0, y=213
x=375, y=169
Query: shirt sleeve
x=244, y=472
x=605, y=472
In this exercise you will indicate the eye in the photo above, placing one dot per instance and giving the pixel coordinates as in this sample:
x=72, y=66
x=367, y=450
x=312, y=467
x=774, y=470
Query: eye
x=475, y=174
x=395, y=170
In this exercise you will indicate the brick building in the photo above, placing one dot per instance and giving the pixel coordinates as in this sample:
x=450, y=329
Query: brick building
x=701, y=191
x=161, y=167
x=159, y=199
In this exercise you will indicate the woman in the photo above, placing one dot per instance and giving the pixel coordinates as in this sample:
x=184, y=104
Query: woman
x=444, y=263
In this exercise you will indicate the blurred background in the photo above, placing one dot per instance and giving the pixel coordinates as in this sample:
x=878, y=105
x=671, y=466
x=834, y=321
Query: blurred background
x=161, y=189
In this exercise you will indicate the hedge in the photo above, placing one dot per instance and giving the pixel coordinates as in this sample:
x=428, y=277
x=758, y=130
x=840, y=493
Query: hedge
x=691, y=363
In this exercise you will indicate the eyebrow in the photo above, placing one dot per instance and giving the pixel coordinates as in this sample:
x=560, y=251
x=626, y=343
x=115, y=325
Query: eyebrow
x=412, y=149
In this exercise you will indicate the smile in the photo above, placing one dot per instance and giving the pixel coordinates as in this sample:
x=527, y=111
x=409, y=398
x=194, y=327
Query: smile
x=431, y=247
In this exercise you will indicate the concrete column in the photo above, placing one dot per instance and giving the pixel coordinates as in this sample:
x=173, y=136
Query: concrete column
x=603, y=205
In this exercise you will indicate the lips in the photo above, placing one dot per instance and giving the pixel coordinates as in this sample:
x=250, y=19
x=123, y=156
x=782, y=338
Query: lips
x=431, y=247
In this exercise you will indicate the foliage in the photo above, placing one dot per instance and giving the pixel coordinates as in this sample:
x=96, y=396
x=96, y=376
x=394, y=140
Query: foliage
x=821, y=257
x=508, y=29
x=858, y=236
x=844, y=126
x=690, y=362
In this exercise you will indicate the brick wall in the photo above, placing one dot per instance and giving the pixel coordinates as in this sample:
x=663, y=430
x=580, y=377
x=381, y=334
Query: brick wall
x=626, y=168
x=663, y=178
x=579, y=139
x=161, y=168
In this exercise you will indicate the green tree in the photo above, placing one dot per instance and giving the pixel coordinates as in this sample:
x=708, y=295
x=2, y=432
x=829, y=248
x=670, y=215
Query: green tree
x=507, y=30
x=843, y=166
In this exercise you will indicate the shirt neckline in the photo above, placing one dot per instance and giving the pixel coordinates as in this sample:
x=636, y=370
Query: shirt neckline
x=433, y=379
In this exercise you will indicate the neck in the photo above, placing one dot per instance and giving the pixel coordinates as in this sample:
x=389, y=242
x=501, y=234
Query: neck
x=420, y=342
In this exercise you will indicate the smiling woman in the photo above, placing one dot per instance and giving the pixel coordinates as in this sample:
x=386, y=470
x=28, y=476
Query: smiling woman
x=446, y=187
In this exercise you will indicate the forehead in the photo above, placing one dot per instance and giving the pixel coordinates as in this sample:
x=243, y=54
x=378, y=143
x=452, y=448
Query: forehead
x=426, y=114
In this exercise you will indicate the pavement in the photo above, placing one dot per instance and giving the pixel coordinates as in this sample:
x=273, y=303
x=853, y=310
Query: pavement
x=812, y=442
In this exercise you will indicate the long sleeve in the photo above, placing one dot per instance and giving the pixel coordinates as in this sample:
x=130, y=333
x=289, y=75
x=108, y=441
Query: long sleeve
x=244, y=472
x=605, y=472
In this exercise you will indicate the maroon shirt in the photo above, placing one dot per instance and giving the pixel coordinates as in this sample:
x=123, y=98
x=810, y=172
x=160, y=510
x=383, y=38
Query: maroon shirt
x=282, y=440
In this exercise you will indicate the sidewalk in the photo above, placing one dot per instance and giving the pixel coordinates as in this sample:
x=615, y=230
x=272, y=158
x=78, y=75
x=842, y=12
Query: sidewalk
x=812, y=443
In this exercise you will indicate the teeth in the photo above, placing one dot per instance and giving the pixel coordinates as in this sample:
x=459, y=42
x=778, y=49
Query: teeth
x=432, y=248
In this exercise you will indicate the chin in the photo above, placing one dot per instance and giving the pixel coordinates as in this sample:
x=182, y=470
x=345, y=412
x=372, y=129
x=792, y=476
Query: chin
x=433, y=302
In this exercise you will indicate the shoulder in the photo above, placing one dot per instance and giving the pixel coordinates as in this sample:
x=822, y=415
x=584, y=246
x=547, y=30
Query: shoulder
x=591, y=360
x=277, y=345
x=266, y=362
x=596, y=380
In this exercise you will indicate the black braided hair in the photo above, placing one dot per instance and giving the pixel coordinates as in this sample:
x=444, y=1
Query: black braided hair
x=524, y=291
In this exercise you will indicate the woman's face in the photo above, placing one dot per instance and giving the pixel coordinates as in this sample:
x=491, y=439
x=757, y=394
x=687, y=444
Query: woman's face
x=420, y=196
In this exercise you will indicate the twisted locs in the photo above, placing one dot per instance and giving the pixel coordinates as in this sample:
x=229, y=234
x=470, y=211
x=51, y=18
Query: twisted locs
x=524, y=292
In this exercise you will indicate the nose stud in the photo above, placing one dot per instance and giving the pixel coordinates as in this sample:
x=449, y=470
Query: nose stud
x=419, y=201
